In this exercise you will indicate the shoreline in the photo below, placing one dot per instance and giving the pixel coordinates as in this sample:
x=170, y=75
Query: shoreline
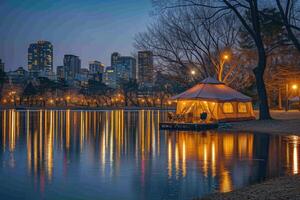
x=23, y=108
x=283, y=123
x=285, y=187
x=282, y=187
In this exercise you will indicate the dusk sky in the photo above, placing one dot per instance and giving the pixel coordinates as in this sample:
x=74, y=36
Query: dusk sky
x=91, y=29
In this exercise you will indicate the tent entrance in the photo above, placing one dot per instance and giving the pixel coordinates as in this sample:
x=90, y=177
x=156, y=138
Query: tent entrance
x=192, y=109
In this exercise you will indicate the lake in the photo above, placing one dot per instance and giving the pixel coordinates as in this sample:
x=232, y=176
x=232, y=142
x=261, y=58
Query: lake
x=124, y=155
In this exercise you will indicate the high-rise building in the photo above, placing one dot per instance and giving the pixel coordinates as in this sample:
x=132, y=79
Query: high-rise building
x=125, y=68
x=72, y=64
x=96, y=70
x=145, y=68
x=1, y=66
x=96, y=67
x=114, y=58
x=110, y=77
x=61, y=72
x=40, y=57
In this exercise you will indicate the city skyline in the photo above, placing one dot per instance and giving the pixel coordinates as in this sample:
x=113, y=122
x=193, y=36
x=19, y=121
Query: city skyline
x=99, y=33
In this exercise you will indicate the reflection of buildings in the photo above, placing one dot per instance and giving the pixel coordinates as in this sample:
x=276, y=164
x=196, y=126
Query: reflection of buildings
x=56, y=141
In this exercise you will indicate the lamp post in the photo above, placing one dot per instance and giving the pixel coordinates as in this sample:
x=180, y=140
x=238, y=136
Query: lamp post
x=294, y=87
x=287, y=97
x=223, y=59
x=193, y=73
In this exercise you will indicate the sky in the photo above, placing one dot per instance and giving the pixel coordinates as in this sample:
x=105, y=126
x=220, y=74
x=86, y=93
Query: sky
x=91, y=29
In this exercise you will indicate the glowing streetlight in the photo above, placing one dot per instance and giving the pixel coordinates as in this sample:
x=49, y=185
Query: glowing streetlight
x=226, y=57
x=223, y=58
x=193, y=72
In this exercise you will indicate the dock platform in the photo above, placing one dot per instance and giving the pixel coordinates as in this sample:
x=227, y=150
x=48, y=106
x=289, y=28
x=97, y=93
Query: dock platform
x=187, y=126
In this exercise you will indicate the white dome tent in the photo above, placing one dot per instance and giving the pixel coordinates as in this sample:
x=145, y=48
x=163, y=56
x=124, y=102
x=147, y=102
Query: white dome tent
x=219, y=101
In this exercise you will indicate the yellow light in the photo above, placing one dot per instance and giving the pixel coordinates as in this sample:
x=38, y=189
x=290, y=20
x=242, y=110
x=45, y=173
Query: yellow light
x=68, y=97
x=51, y=101
x=225, y=56
x=169, y=102
x=193, y=72
x=294, y=87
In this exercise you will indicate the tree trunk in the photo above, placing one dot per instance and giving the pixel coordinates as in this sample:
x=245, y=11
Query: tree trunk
x=264, y=112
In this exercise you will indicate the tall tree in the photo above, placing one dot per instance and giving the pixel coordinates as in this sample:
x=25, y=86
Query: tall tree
x=239, y=8
x=29, y=92
x=130, y=90
x=289, y=12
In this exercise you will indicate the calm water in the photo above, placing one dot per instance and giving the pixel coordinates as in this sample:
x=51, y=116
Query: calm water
x=123, y=155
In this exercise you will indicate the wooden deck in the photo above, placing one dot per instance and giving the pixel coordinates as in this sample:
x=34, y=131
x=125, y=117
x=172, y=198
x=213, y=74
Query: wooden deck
x=187, y=126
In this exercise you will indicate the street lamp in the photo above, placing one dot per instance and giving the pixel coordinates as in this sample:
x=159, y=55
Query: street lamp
x=225, y=57
x=294, y=87
x=193, y=72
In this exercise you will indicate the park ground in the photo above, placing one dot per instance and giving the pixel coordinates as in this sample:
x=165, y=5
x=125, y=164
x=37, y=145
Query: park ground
x=287, y=187
x=285, y=123
x=282, y=188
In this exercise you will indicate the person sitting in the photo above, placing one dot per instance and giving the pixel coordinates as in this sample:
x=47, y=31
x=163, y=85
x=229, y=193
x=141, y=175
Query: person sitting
x=203, y=116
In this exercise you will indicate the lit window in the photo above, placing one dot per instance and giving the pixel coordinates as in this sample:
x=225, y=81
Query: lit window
x=242, y=108
x=227, y=107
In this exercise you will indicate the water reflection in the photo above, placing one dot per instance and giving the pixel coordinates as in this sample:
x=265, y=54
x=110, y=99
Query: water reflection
x=105, y=152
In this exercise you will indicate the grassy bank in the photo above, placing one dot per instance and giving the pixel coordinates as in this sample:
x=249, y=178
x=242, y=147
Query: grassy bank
x=282, y=123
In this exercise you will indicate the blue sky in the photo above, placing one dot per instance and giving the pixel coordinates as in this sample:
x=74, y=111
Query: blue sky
x=91, y=29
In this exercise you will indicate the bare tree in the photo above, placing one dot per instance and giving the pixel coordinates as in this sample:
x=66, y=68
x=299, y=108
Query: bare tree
x=289, y=12
x=187, y=39
x=251, y=24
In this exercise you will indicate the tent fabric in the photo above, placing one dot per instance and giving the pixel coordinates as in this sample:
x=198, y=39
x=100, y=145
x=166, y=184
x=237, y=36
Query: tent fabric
x=219, y=101
x=212, y=89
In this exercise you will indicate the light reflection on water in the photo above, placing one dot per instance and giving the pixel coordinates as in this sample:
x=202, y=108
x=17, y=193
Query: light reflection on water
x=123, y=155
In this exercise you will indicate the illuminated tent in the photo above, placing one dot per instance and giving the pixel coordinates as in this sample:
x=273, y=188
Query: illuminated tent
x=219, y=101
